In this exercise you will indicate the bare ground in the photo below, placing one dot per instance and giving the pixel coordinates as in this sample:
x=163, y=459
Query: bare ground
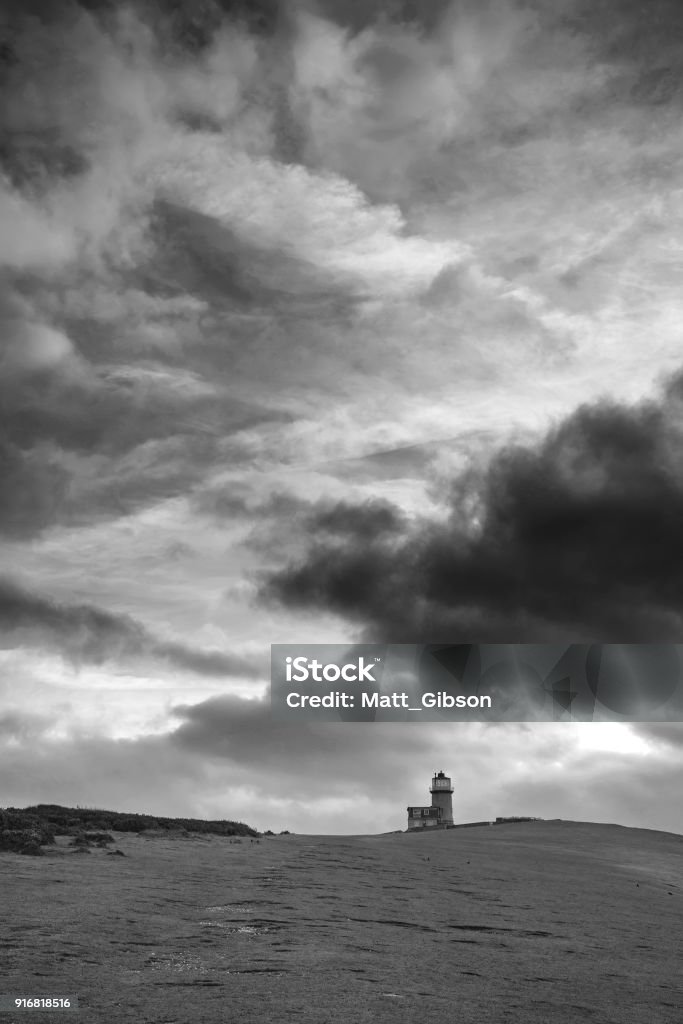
x=535, y=923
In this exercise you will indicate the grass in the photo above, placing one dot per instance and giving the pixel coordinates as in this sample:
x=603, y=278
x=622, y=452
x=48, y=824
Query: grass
x=534, y=923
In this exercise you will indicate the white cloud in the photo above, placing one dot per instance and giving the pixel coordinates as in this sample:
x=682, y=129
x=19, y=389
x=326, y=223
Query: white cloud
x=321, y=218
x=34, y=347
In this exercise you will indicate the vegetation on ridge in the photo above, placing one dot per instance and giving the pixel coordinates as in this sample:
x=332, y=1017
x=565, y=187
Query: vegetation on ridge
x=27, y=830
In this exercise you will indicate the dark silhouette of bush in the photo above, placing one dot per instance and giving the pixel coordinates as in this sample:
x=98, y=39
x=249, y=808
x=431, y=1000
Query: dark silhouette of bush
x=26, y=841
x=57, y=820
x=135, y=823
x=11, y=819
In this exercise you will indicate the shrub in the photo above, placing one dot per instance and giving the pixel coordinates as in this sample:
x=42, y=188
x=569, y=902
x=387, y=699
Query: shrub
x=27, y=841
x=99, y=837
x=79, y=840
x=69, y=820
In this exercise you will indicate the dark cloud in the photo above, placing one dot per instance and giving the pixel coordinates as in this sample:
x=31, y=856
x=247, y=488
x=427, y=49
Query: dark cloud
x=86, y=633
x=235, y=500
x=197, y=254
x=283, y=510
x=629, y=29
x=360, y=14
x=576, y=538
x=364, y=522
x=209, y=663
x=32, y=489
x=118, y=408
x=286, y=520
x=325, y=759
x=46, y=482
x=192, y=24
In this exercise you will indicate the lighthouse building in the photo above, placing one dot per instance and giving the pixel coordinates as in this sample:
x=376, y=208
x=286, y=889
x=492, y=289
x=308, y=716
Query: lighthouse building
x=440, y=811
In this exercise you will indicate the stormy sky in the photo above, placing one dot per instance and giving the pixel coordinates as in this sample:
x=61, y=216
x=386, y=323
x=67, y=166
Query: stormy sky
x=328, y=321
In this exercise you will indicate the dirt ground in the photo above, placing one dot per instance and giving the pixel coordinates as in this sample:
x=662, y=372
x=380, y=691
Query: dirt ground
x=533, y=923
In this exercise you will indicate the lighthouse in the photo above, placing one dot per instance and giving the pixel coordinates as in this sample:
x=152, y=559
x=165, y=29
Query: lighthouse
x=442, y=797
x=440, y=813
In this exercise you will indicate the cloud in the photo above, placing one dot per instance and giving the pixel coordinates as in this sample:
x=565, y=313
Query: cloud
x=92, y=102
x=399, y=104
x=23, y=726
x=81, y=444
x=205, y=256
x=257, y=259
x=574, y=538
x=33, y=489
x=318, y=217
x=97, y=771
x=141, y=334
x=182, y=282
x=312, y=760
x=318, y=774
x=663, y=734
x=225, y=758
x=357, y=15
x=86, y=633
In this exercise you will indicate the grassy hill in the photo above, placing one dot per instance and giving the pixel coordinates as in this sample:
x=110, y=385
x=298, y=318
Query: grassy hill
x=529, y=924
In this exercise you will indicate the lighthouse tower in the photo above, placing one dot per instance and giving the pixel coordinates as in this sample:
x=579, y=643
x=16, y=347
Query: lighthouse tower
x=442, y=797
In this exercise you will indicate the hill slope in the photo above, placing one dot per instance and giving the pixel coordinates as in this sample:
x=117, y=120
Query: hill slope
x=537, y=923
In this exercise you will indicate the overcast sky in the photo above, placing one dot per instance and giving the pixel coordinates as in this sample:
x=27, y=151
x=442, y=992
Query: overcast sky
x=323, y=321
